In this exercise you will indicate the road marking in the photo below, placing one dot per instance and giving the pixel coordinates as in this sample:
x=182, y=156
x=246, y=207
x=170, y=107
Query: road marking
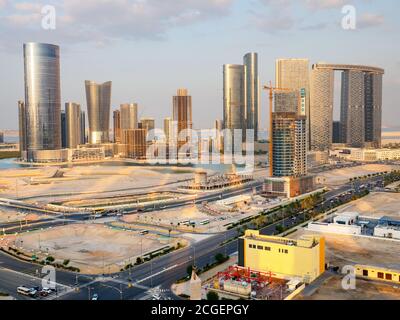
x=158, y=273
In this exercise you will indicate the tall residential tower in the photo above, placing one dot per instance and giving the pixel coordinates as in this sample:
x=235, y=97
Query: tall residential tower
x=42, y=97
x=98, y=98
x=252, y=84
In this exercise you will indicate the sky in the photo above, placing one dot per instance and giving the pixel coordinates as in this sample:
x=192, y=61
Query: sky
x=149, y=48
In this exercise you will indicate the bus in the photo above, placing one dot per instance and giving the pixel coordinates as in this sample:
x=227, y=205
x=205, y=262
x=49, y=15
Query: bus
x=143, y=232
x=26, y=291
x=203, y=222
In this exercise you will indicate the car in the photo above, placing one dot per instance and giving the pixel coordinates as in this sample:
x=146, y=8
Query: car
x=46, y=291
x=95, y=297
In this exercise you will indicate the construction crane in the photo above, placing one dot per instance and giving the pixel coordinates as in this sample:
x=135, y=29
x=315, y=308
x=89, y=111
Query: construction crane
x=272, y=90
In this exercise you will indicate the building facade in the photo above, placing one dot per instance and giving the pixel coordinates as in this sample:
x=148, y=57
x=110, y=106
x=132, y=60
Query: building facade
x=22, y=128
x=129, y=116
x=73, y=124
x=360, y=108
x=321, y=109
x=252, y=83
x=117, y=126
x=289, y=145
x=182, y=116
x=234, y=95
x=303, y=258
x=294, y=74
x=42, y=97
x=63, y=129
x=98, y=99
x=135, y=143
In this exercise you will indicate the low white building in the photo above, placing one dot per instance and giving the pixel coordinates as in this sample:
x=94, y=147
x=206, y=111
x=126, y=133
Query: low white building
x=367, y=155
x=387, y=232
x=334, y=228
x=346, y=218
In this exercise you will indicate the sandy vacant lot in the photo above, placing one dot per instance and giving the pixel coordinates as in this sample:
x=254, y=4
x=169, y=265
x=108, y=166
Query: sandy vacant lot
x=340, y=176
x=332, y=289
x=376, y=204
x=90, y=247
x=192, y=213
x=7, y=215
x=93, y=179
x=342, y=250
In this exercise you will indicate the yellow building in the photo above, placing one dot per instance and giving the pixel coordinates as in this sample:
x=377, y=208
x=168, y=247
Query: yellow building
x=377, y=273
x=283, y=257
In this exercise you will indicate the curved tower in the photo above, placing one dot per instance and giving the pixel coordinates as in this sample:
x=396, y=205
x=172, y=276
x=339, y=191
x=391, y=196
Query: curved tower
x=42, y=97
x=98, y=99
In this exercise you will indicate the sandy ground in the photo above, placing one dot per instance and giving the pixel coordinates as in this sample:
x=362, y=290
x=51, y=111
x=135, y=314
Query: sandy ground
x=12, y=215
x=192, y=213
x=376, y=204
x=332, y=289
x=92, y=248
x=88, y=179
x=343, y=250
x=340, y=176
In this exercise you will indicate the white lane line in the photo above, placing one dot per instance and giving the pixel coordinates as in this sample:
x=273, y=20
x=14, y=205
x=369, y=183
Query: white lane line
x=158, y=273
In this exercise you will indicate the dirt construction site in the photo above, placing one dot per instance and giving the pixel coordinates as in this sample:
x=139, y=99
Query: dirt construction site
x=93, y=248
x=337, y=177
x=376, y=204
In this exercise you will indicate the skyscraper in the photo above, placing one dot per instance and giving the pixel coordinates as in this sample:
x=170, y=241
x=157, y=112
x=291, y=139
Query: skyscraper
x=252, y=84
x=182, y=114
x=360, y=108
x=234, y=96
x=167, y=128
x=117, y=126
x=147, y=123
x=1, y=137
x=352, y=108
x=135, y=143
x=63, y=129
x=373, y=108
x=129, y=116
x=73, y=124
x=287, y=101
x=294, y=74
x=336, y=133
x=42, y=97
x=289, y=155
x=83, y=127
x=98, y=97
x=22, y=128
x=321, y=108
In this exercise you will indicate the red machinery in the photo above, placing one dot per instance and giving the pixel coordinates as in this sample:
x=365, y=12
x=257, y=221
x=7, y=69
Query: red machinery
x=246, y=274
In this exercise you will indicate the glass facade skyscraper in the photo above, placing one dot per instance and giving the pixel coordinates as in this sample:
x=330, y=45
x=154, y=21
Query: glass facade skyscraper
x=73, y=124
x=98, y=99
x=250, y=62
x=234, y=96
x=42, y=97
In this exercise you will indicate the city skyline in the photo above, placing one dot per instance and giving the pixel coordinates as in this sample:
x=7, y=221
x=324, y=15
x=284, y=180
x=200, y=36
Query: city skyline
x=206, y=87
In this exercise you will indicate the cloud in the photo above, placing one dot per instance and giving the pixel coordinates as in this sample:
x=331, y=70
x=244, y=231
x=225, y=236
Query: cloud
x=102, y=21
x=368, y=20
x=324, y=4
x=306, y=15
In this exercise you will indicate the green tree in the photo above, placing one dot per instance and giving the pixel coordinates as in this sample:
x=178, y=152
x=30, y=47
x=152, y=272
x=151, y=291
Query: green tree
x=212, y=295
x=189, y=270
x=219, y=257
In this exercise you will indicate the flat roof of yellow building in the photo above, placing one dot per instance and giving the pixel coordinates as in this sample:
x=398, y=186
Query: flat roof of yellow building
x=306, y=241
